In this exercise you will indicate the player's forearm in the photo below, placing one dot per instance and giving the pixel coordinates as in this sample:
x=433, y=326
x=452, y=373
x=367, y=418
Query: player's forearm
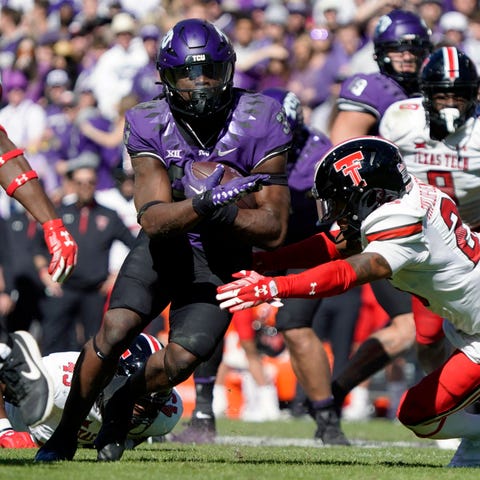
x=262, y=228
x=167, y=219
x=29, y=193
x=325, y=280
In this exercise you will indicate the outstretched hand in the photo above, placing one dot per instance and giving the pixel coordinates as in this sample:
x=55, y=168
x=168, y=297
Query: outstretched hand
x=250, y=290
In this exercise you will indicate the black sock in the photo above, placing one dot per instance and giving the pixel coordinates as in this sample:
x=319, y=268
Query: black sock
x=367, y=360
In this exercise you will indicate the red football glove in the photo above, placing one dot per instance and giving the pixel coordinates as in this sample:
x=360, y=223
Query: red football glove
x=252, y=289
x=11, y=439
x=62, y=247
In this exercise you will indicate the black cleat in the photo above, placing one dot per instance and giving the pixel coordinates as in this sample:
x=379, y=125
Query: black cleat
x=28, y=385
x=328, y=427
x=112, y=452
x=56, y=451
x=117, y=408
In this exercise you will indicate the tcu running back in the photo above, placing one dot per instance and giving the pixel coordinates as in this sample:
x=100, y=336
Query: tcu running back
x=410, y=233
x=193, y=234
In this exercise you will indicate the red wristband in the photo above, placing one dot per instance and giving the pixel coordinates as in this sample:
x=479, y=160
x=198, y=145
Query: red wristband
x=22, y=179
x=325, y=280
x=5, y=157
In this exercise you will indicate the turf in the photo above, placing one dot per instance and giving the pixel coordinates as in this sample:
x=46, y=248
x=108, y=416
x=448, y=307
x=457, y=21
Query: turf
x=381, y=450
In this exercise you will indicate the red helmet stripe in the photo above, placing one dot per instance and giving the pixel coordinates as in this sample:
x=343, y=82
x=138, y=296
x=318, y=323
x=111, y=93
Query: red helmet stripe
x=153, y=343
x=450, y=62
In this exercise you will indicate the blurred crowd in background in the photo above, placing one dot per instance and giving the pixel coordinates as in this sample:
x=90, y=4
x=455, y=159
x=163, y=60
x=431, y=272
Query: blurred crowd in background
x=71, y=68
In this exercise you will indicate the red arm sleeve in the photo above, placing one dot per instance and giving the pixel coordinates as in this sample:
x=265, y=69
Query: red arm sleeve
x=307, y=253
x=323, y=281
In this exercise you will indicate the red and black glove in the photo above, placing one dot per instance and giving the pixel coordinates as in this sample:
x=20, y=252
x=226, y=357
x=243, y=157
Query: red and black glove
x=252, y=289
x=62, y=247
x=9, y=438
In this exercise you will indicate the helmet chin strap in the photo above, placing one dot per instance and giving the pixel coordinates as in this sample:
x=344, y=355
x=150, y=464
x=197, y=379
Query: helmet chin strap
x=449, y=116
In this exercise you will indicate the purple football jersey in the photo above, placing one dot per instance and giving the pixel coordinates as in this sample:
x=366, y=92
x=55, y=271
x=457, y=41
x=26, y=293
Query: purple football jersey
x=255, y=131
x=301, y=175
x=303, y=214
x=372, y=93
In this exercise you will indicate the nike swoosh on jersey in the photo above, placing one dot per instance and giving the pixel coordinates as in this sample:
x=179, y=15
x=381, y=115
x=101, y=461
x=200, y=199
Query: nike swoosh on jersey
x=226, y=152
x=34, y=373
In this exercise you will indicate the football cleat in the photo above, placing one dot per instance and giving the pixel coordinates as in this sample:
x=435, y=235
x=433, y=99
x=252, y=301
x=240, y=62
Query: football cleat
x=467, y=454
x=328, y=427
x=51, y=452
x=116, y=407
x=112, y=452
x=27, y=383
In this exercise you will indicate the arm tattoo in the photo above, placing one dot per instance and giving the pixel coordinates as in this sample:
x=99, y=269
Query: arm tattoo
x=370, y=267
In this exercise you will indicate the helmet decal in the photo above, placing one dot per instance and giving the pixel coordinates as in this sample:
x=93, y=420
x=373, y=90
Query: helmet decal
x=356, y=177
x=350, y=165
x=450, y=63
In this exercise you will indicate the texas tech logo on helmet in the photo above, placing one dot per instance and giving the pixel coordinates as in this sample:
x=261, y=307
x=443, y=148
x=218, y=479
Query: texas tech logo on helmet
x=350, y=166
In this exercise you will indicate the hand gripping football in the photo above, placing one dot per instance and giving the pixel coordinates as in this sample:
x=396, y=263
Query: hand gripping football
x=205, y=169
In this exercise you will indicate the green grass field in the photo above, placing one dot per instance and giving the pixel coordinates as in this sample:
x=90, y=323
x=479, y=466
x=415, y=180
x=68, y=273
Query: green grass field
x=381, y=450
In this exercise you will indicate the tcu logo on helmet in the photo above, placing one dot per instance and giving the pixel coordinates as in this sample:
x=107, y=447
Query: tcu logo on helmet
x=349, y=166
x=199, y=58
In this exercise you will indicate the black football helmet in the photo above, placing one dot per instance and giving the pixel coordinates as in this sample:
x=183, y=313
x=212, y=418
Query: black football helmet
x=398, y=31
x=354, y=178
x=137, y=354
x=448, y=70
x=192, y=49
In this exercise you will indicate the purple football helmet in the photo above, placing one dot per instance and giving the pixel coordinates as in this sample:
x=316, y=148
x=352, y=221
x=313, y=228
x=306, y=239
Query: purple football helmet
x=449, y=71
x=398, y=31
x=195, y=49
x=290, y=103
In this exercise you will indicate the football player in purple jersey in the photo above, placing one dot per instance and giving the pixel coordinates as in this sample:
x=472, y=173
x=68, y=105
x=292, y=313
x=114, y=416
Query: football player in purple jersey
x=295, y=318
x=402, y=42
x=193, y=234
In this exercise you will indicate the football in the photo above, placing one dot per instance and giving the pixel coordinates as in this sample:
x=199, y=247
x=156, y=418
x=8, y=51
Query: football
x=205, y=169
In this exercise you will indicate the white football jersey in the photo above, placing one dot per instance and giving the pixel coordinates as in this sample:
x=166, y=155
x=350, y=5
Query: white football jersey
x=433, y=255
x=452, y=164
x=60, y=368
